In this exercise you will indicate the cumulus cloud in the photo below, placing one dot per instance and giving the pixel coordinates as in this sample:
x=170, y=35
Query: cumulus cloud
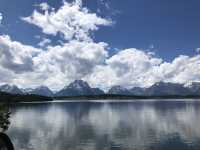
x=128, y=68
x=71, y=20
x=56, y=65
x=79, y=57
x=16, y=56
x=182, y=69
x=133, y=67
x=6, y=75
x=1, y=18
x=70, y=61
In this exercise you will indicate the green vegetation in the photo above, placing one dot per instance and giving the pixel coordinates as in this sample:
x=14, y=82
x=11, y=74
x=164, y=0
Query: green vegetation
x=5, y=97
x=125, y=97
x=12, y=98
x=4, y=117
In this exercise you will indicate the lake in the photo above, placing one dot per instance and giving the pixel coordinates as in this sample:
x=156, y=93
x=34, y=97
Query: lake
x=137, y=125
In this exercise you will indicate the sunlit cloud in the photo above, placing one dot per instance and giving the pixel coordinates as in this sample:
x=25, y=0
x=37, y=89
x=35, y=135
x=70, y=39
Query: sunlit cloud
x=79, y=56
x=71, y=20
x=1, y=18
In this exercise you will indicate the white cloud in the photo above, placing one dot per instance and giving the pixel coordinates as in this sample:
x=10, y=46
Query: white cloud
x=82, y=58
x=54, y=66
x=44, y=6
x=44, y=42
x=182, y=69
x=78, y=2
x=70, y=61
x=16, y=56
x=132, y=67
x=198, y=50
x=1, y=18
x=71, y=20
x=58, y=65
x=6, y=75
x=128, y=68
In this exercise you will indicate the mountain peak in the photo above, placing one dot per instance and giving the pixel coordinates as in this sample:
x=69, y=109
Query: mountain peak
x=192, y=84
x=41, y=90
x=13, y=89
x=78, y=88
x=42, y=87
x=78, y=84
x=194, y=87
x=118, y=87
x=166, y=88
x=119, y=90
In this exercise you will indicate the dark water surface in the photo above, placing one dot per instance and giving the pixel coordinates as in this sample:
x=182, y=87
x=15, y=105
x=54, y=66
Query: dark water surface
x=140, y=125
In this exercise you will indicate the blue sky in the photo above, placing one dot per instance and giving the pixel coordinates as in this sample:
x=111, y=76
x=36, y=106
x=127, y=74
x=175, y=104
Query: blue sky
x=172, y=27
x=169, y=29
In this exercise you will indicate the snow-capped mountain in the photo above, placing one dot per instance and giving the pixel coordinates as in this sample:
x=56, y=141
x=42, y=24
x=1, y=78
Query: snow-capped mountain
x=165, y=88
x=158, y=89
x=82, y=88
x=78, y=88
x=194, y=87
x=119, y=90
x=12, y=89
x=41, y=90
x=138, y=91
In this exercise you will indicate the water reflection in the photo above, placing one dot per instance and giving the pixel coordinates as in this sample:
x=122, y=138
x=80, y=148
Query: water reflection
x=98, y=126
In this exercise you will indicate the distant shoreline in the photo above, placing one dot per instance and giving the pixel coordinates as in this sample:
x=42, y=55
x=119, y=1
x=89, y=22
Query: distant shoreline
x=125, y=97
x=111, y=101
x=12, y=98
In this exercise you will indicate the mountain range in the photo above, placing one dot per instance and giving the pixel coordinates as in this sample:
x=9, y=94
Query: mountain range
x=41, y=90
x=12, y=89
x=82, y=88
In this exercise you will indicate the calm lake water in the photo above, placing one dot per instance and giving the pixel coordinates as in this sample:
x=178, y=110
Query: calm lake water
x=139, y=125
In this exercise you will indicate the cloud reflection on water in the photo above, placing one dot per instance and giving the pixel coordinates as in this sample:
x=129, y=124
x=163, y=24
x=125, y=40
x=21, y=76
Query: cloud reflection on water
x=97, y=126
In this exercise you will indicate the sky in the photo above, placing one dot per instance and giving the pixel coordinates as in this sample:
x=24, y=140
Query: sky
x=104, y=42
